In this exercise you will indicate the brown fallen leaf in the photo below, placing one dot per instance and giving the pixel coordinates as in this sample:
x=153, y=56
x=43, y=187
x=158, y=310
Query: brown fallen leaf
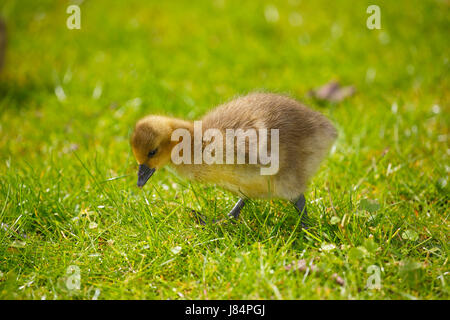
x=302, y=265
x=332, y=92
x=338, y=279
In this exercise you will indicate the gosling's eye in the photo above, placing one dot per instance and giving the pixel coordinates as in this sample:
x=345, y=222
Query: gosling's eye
x=152, y=153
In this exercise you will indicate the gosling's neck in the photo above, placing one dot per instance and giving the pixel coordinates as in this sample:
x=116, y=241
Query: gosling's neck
x=180, y=124
x=190, y=170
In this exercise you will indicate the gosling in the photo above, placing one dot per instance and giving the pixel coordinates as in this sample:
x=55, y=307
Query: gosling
x=304, y=139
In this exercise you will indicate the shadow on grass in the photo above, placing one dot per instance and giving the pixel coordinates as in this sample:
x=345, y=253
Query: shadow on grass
x=15, y=95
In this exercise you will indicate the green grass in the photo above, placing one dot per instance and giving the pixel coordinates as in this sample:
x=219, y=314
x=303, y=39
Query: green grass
x=67, y=174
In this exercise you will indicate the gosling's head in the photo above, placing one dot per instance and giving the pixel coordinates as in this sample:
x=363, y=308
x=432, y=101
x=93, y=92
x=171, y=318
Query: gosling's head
x=151, y=145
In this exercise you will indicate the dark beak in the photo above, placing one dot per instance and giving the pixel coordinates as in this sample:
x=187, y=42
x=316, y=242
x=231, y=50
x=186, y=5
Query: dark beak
x=144, y=174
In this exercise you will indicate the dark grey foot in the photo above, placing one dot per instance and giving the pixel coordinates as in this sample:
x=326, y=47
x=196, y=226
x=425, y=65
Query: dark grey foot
x=199, y=218
x=234, y=213
x=300, y=205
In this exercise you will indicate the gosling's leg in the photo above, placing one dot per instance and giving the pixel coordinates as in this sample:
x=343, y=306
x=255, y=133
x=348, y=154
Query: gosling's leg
x=300, y=205
x=199, y=218
x=234, y=213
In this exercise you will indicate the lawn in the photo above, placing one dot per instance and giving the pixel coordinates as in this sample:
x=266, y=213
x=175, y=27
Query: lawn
x=75, y=226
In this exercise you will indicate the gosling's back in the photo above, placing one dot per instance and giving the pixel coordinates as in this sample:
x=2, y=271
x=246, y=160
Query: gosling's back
x=305, y=137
